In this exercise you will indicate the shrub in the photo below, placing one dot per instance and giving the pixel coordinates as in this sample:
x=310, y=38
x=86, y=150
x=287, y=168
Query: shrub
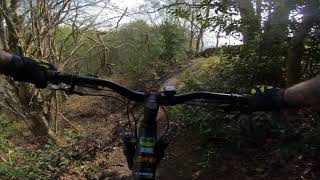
x=242, y=131
x=150, y=50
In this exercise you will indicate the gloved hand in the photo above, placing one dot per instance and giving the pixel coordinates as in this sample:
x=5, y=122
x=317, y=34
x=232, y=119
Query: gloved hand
x=36, y=71
x=267, y=98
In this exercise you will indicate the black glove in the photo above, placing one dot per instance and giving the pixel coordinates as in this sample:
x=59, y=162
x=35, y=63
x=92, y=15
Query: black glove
x=36, y=71
x=267, y=98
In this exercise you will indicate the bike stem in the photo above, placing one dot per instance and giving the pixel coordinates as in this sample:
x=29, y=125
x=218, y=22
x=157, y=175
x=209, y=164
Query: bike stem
x=145, y=156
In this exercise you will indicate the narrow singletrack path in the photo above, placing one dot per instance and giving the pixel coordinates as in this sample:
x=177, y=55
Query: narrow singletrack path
x=182, y=159
x=183, y=155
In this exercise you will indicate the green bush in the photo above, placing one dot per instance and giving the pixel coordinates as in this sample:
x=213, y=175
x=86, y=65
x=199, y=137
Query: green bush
x=172, y=41
x=7, y=126
x=46, y=162
x=310, y=62
x=242, y=131
x=28, y=164
x=144, y=52
x=249, y=66
x=150, y=51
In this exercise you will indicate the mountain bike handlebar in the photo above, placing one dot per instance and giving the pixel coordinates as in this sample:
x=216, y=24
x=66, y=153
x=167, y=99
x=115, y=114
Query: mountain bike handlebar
x=144, y=150
x=84, y=80
x=138, y=96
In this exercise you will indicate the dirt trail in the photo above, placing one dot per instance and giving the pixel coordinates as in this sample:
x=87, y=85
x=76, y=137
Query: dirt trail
x=182, y=159
x=175, y=78
x=183, y=156
x=103, y=121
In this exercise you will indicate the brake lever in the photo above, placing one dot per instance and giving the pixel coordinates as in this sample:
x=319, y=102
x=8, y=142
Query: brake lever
x=68, y=91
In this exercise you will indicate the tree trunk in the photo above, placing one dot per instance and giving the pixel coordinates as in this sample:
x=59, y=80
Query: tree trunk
x=12, y=22
x=2, y=28
x=204, y=26
x=276, y=28
x=35, y=108
x=202, y=45
x=250, y=23
x=200, y=36
x=217, y=39
x=39, y=116
x=259, y=10
x=191, y=29
x=296, y=51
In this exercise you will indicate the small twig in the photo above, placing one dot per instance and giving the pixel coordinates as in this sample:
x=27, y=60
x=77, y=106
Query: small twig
x=118, y=22
x=3, y=159
x=68, y=121
x=35, y=94
x=9, y=156
x=57, y=111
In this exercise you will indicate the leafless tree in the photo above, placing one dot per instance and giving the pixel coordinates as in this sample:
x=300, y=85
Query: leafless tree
x=32, y=31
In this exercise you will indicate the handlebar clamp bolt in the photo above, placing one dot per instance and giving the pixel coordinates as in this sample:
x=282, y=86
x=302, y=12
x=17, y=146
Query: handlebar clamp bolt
x=170, y=90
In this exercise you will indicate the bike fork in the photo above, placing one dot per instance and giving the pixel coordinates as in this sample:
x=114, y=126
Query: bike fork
x=144, y=153
x=129, y=149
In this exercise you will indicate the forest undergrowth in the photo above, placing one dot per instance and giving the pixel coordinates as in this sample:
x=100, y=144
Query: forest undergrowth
x=216, y=144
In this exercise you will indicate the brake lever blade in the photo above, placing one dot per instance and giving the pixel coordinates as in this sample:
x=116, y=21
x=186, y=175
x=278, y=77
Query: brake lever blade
x=68, y=91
